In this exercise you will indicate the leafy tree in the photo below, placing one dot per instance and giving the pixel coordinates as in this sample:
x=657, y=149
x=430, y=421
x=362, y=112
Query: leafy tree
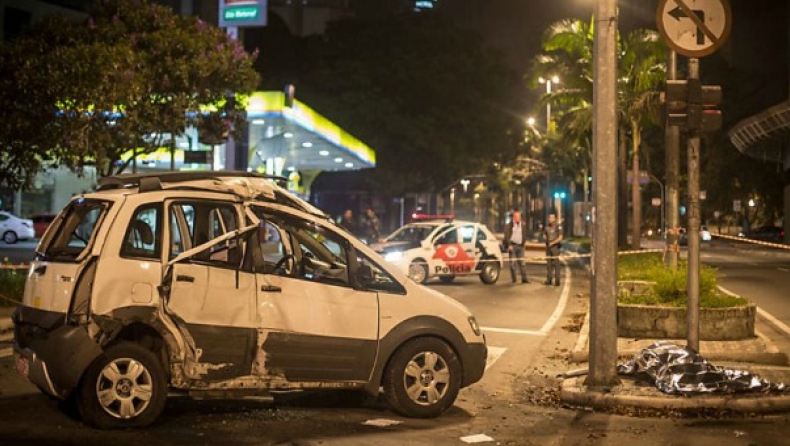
x=129, y=77
x=434, y=102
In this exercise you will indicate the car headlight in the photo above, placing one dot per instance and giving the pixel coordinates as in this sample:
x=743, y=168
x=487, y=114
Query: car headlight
x=393, y=256
x=473, y=324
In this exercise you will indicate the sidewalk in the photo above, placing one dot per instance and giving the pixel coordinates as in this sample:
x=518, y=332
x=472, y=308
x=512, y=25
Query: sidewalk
x=758, y=356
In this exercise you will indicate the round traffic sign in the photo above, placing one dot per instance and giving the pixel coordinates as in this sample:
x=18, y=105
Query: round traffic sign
x=694, y=28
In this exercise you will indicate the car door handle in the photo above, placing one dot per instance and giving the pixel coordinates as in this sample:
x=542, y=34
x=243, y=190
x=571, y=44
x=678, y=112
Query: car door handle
x=184, y=278
x=271, y=289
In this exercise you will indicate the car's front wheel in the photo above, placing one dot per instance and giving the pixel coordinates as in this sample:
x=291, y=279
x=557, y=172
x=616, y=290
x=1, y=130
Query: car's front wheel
x=125, y=387
x=10, y=237
x=422, y=379
x=418, y=271
x=490, y=271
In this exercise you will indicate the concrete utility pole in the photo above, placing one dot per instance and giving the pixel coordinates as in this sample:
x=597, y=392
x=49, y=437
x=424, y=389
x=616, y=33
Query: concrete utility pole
x=694, y=223
x=603, y=292
x=672, y=143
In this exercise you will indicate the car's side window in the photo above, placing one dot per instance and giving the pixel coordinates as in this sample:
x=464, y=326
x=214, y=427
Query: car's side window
x=449, y=237
x=196, y=222
x=143, y=235
x=299, y=248
x=380, y=280
x=467, y=234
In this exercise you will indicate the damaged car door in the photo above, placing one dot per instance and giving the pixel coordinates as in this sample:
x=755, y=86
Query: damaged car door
x=317, y=325
x=211, y=298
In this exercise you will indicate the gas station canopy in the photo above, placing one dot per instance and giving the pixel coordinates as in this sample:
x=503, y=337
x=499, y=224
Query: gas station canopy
x=296, y=138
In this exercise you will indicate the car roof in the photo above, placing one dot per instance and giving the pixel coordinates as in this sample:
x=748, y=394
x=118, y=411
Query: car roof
x=245, y=185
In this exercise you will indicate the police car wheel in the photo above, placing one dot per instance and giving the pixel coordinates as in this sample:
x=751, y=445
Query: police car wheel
x=418, y=271
x=490, y=273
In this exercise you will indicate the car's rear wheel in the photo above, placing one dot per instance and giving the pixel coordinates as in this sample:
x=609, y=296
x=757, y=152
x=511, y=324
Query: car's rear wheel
x=447, y=279
x=490, y=271
x=422, y=379
x=10, y=237
x=418, y=271
x=125, y=387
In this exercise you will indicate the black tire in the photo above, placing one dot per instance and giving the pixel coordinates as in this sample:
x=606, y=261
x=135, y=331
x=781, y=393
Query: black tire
x=10, y=237
x=418, y=271
x=447, y=279
x=490, y=271
x=422, y=378
x=128, y=401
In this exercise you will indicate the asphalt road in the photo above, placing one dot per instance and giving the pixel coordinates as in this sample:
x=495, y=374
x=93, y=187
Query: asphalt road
x=530, y=330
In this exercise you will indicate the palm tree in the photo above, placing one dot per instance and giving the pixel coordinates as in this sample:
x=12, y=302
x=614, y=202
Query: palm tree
x=568, y=51
x=642, y=73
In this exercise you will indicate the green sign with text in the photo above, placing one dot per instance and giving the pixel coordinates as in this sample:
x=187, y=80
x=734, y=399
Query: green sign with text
x=242, y=13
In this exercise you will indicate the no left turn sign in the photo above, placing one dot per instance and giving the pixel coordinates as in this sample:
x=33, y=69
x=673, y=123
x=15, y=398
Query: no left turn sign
x=694, y=28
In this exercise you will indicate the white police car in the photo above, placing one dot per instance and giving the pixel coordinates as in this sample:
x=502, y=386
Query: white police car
x=443, y=249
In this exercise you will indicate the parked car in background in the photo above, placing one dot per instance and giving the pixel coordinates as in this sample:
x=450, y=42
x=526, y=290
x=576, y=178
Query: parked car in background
x=13, y=228
x=444, y=249
x=704, y=235
x=773, y=234
x=41, y=222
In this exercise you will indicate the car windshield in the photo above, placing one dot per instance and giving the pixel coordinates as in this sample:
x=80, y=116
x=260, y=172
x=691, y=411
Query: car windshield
x=412, y=233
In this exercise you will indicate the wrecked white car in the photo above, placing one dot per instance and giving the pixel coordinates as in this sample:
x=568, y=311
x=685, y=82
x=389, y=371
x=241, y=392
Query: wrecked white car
x=222, y=284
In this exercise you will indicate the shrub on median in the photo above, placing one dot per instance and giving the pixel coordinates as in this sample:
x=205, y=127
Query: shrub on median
x=670, y=287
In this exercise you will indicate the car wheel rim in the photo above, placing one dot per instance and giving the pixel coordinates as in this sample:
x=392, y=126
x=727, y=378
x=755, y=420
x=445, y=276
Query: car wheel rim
x=417, y=272
x=426, y=378
x=491, y=271
x=124, y=388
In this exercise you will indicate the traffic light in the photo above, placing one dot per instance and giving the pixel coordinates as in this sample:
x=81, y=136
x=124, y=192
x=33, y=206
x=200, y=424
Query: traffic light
x=693, y=105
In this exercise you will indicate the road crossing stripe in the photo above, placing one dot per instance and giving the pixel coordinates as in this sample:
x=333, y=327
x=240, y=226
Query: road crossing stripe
x=6, y=352
x=494, y=353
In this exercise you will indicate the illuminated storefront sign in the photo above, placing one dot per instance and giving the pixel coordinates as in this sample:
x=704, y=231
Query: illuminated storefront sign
x=242, y=13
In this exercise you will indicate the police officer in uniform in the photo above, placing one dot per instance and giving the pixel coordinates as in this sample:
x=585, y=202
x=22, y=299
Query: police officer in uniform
x=553, y=236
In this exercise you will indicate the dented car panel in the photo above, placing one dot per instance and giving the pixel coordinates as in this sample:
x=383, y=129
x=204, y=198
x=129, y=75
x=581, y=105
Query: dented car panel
x=55, y=358
x=230, y=285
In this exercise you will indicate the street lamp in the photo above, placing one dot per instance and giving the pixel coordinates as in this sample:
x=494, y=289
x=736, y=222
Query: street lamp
x=548, y=82
x=552, y=80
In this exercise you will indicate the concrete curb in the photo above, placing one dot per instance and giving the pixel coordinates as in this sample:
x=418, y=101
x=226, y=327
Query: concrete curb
x=574, y=392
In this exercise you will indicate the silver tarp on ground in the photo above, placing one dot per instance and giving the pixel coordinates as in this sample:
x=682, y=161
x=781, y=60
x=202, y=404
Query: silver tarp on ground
x=680, y=370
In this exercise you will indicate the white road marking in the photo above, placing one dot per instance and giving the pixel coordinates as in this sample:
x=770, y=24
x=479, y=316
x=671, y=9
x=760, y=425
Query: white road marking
x=566, y=289
x=6, y=352
x=779, y=324
x=6, y=336
x=552, y=320
x=494, y=353
x=513, y=331
x=784, y=270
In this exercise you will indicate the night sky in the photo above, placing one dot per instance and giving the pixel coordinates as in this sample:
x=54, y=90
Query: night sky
x=515, y=27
